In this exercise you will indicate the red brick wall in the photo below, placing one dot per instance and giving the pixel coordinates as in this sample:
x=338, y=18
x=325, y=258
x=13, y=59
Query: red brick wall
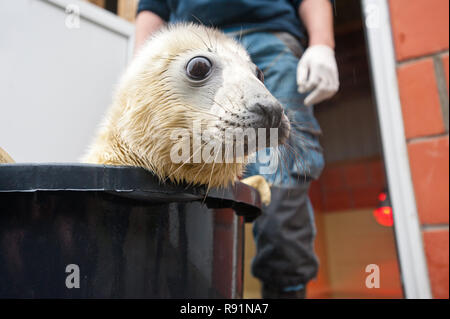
x=421, y=39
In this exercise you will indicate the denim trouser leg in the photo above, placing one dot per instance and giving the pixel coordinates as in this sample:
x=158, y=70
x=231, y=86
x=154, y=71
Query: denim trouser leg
x=284, y=233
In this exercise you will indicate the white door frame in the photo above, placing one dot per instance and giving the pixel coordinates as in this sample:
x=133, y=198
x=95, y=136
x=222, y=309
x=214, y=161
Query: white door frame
x=408, y=235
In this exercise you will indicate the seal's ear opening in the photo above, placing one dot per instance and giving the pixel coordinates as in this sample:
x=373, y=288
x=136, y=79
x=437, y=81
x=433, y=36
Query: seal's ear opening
x=260, y=74
x=4, y=157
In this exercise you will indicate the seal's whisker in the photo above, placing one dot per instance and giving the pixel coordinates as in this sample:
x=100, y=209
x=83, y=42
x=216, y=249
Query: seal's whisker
x=290, y=156
x=209, y=39
x=300, y=125
x=199, y=21
x=231, y=102
x=281, y=163
x=205, y=162
x=223, y=107
x=184, y=163
x=210, y=176
x=301, y=122
x=240, y=35
x=304, y=140
x=285, y=153
x=165, y=58
x=285, y=159
x=202, y=111
x=296, y=157
x=206, y=45
x=201, y=168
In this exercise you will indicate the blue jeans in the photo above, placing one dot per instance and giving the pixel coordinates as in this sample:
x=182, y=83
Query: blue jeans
x=285, y=232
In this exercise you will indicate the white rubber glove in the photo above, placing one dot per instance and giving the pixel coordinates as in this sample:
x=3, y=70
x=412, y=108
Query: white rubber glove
x=317, y=72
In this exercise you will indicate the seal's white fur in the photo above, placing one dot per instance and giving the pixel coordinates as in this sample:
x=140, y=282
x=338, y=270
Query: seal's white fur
x=155, y=97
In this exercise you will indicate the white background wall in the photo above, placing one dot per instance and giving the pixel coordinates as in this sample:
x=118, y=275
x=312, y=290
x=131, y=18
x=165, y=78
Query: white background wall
x=56, y=81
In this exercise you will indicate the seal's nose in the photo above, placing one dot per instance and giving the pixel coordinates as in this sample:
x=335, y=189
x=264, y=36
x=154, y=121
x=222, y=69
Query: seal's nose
x=270, y=113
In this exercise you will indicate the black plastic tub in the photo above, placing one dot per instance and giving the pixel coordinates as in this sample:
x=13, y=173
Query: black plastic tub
x=92, y=231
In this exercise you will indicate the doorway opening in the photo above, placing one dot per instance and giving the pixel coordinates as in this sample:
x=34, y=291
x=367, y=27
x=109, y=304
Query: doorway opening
x=355, y=233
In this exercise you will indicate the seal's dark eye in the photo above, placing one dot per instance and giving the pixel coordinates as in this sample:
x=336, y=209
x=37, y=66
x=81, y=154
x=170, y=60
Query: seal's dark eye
x=260, y=74
x=198, y=68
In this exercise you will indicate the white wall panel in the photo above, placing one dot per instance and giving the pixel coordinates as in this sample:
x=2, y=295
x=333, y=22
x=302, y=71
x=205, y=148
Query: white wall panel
x=56, y=82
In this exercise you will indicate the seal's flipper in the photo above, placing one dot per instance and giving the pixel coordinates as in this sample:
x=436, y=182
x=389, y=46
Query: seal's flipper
x=4, y=157
x=261, y=185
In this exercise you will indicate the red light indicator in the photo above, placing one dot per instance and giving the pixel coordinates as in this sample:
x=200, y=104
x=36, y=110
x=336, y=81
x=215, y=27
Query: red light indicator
x=382, y=197
x=383, y=216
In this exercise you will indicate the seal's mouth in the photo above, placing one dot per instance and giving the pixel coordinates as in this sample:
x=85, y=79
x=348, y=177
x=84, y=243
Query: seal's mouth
x=241, y=135
x=275, y=133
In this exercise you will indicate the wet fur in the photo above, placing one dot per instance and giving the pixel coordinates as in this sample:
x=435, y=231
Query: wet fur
x=150, y=103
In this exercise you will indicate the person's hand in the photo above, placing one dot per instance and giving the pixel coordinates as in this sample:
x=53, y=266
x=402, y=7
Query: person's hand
x=317, y=72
